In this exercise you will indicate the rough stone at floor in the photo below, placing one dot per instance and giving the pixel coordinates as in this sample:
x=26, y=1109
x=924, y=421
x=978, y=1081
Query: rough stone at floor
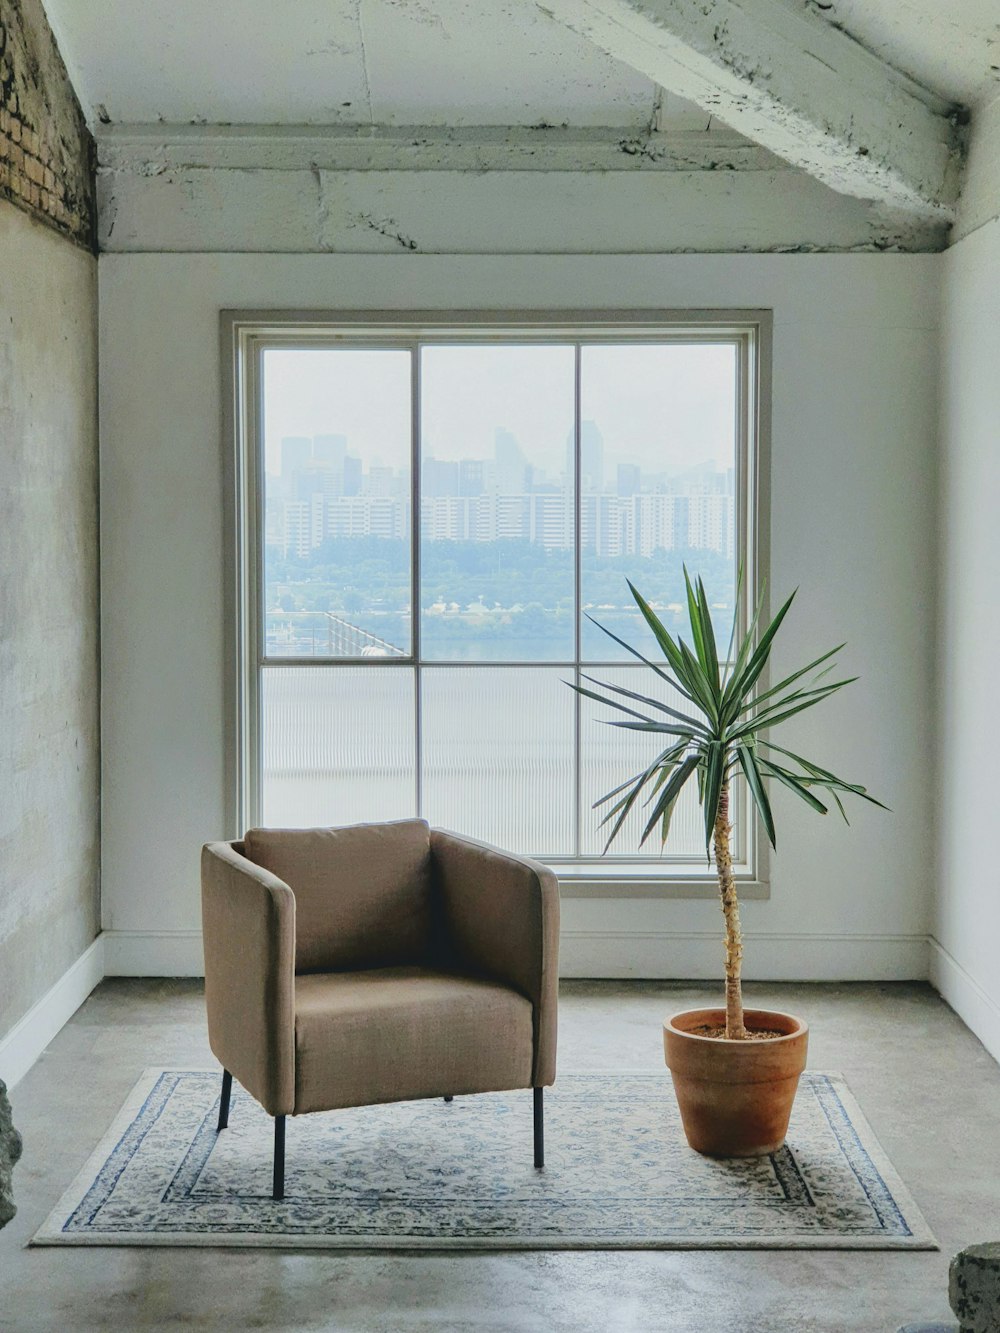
x=10, y=1153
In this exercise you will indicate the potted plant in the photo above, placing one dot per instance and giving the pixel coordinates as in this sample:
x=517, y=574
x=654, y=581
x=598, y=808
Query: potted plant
x=735, y=1071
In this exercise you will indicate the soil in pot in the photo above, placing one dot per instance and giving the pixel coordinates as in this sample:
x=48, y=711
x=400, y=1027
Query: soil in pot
x=735, y=1097
x=717, y=1031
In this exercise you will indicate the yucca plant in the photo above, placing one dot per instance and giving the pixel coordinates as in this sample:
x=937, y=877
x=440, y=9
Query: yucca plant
x=719, y=737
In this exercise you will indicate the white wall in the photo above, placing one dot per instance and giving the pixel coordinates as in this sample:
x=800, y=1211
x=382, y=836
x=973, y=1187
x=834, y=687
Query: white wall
x=966, y=927
x=853, y=491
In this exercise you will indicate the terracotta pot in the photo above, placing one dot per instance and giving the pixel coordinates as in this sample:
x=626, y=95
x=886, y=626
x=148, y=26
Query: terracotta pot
x=735, y=1097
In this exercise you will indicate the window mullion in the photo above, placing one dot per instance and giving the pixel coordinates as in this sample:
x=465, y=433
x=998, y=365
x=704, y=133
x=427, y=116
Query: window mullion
x=577, y=603
x=416, y=449
x=252, y=499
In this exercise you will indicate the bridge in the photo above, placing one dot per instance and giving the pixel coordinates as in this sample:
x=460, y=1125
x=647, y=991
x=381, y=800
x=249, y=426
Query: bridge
x=322, y=634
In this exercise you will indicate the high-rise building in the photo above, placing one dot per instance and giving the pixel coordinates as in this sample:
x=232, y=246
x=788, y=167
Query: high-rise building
x=629, y=479
x=315, y=478
x=659, y=523
x=330, y=449
x=296, y=451
x=447, y=518
x=379, y=481
x=551, y=520
x=601, y=528
x=512, y=471
x=439, y=477
x=471, y=477
x=302, y=525
x=363, y=516
x=711, y=523
x=352, y=475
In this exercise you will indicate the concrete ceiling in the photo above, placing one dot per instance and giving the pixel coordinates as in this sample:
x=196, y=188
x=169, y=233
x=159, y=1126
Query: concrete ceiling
x=950, y=46
x=859, y=95
x=337, y=62
x=439, y=62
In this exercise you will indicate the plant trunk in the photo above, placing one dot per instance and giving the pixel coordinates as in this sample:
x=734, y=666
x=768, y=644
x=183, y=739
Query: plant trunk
x=731, y=911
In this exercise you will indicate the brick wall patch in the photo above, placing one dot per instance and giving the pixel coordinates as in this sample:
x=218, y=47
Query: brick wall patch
x=46, y=151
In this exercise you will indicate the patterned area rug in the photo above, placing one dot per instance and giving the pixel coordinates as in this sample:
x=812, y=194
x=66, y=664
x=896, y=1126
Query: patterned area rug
x=431, y=1175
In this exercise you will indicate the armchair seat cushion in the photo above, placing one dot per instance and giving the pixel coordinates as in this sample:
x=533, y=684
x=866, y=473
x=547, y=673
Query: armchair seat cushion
x=398, y=1033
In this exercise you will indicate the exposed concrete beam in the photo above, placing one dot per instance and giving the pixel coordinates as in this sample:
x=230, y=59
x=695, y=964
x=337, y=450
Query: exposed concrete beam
x=482, y=192
x=152, y=148
x=790, y=81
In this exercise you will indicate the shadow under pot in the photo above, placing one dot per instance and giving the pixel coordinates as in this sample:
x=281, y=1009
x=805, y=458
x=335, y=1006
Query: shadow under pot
x=735, y=1097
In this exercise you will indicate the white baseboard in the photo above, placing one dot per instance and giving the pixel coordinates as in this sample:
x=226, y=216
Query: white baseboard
x=153, y=953
x=698, y=956
x=978, y=1010
x=622, y=954
x=28, y=1038
x=692, y=956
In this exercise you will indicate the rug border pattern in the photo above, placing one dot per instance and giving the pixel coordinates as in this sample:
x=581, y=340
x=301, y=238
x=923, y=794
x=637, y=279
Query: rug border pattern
x=878, y=1179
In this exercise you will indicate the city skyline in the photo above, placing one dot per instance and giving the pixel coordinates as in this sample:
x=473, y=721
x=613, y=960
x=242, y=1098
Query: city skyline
x=321, y=457
x=323, y=491
x=658, y=404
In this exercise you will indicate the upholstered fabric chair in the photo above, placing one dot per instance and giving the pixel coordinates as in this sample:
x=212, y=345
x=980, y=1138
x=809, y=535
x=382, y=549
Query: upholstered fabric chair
x=377, y=963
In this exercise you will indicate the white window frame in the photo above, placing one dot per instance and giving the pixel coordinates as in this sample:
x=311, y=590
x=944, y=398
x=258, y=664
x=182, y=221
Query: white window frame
x=246, y=335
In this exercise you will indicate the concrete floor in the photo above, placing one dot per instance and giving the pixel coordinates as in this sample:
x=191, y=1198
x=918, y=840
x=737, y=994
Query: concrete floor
x=929, y=1089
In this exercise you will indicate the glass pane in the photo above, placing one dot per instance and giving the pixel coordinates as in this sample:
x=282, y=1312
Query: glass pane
x=338, y=745
x=498, y=755
x=658, y=445
x=610, y=755
x=496, y=511
x=337, y=447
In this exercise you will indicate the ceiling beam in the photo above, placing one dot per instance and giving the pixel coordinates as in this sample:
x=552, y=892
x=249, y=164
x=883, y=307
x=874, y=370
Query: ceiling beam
x=153, y=148
x=301, y=190
x=794, y=83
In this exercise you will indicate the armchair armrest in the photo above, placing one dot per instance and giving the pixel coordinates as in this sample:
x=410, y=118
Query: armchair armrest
x=501, y=915
x=248, y=922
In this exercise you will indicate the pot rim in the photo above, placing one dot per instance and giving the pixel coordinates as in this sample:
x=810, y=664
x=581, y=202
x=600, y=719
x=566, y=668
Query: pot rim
x=801, y=1028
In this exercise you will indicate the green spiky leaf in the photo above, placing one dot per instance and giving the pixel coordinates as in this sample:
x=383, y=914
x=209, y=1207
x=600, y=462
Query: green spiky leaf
x=718, y=737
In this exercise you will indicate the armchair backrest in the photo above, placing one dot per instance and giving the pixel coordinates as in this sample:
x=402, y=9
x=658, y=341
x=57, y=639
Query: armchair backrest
x=362, y=893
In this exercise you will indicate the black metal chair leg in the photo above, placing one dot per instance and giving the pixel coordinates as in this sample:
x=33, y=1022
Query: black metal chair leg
x=449, y=1099
x=539, y=1127
x=278, y=1190
x=227, y=1091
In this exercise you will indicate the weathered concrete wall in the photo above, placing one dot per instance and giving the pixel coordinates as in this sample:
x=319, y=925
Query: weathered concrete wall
x=49, y=699
x=46, y=152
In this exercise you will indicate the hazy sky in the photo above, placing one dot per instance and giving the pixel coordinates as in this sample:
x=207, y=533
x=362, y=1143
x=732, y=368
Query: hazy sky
x=655, y=405
x=362, y=394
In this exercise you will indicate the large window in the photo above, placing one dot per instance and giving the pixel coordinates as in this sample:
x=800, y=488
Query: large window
x=434, y=522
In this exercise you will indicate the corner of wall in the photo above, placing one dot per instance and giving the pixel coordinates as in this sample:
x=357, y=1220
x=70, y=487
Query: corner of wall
x=980, y=200
x=967, y=904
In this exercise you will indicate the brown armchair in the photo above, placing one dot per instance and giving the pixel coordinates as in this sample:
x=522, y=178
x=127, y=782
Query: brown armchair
x=377, y=963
